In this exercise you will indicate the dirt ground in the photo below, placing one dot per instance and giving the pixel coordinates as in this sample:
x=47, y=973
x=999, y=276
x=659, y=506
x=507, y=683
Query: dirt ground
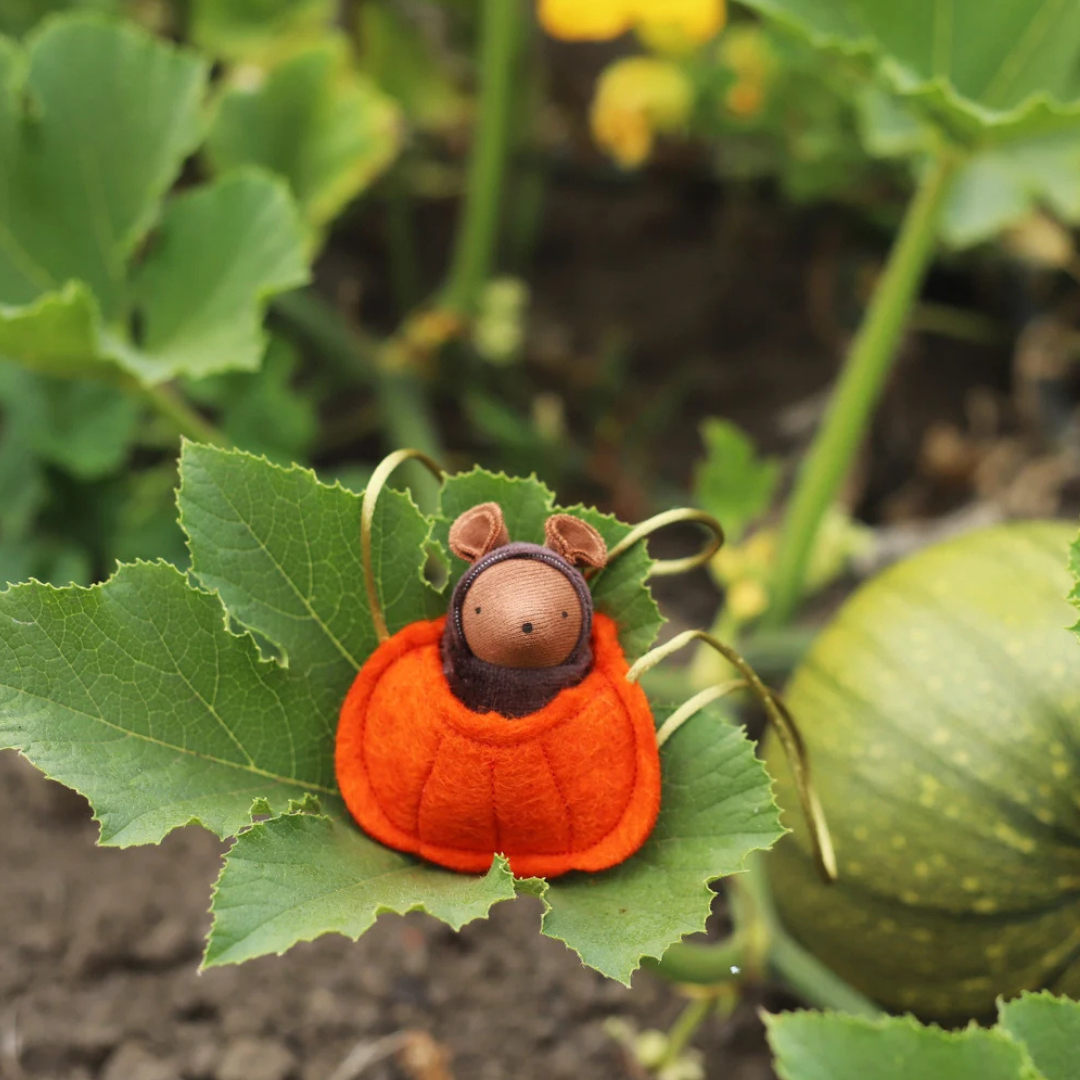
x=99, y=951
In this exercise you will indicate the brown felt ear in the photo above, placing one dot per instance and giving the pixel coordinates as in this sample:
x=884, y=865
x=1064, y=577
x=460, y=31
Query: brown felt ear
x=478, y=531
x=575, y=540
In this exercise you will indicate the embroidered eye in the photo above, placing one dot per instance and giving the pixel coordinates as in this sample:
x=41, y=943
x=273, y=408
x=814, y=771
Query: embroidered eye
x=477, y=611
x=566, y=614
x=527, y=627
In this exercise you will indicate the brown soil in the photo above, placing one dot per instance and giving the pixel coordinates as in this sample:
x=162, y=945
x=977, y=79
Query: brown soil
x=99, y=951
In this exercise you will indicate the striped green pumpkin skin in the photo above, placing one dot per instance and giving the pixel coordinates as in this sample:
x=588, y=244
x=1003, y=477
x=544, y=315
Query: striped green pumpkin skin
x=941, y=710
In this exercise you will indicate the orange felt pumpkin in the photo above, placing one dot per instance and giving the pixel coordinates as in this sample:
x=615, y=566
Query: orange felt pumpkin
x=574, y=785
x=514, y=726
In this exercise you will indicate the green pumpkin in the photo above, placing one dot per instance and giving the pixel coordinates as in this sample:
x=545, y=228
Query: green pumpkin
x=941, y=712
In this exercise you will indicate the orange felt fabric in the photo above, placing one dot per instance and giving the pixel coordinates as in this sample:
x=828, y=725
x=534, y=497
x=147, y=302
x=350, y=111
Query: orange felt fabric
x=573, y=786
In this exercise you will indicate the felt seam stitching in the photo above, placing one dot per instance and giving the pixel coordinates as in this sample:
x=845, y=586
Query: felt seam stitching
x=565, y=800
x=633, y=785
x=427, y=780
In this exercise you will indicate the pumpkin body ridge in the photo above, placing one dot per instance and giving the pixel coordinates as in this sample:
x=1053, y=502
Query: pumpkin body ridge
x=574, y=785
x=427, y=780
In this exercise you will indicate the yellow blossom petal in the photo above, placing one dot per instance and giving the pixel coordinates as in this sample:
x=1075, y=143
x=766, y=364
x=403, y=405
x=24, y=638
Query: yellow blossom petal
x=635, y=99
x=745, y=50
x=585, y=20
x=747, y=599
x=677, y=26
x=625, y=134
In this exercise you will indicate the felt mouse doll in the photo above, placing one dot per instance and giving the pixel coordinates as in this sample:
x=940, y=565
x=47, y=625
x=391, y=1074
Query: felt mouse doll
x=507, y=726
x=521, y=619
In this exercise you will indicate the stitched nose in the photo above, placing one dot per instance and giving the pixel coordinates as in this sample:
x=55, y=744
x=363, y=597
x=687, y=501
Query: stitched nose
x=527, y=627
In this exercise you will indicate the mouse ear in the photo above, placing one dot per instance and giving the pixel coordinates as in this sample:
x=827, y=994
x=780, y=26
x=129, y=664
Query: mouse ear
x=478, y=531
x=575, y=540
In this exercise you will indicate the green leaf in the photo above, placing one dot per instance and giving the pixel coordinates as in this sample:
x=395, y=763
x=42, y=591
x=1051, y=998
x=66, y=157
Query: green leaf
x=298, y=877
x=85, y=428
x=409, y=66
x=998, y=185
x=259, y=31
x=1001, y=81
x=59, y=334
x=283, y=551
x=328, y=131
x=81, y=172
x=223, y=250
x=888, y=128
x=82, y=179
x=1004, y=184
x=977, y=70
x=831, y=1046
x=716, y=808
x=1048, y=1027
x=620, y=590
x=733, y=483
x=135, y=693
x=19, y=16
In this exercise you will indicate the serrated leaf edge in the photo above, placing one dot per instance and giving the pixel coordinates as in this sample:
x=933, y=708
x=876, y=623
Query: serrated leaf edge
x=885, y=1023
x=313, y=791
x=189, y=445
x=538, y=887
x=207, y=962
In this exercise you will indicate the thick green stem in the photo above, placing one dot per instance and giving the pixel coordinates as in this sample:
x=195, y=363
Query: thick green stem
x=859, y=387
x=814, y=982
x=168, y=404
x=788, y=959
x=478, y=230
x=702, y=965
x=761, y=940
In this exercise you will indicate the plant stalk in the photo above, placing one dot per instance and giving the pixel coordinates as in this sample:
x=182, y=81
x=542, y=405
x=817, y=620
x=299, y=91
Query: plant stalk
x=404, y=411
x=477, y=235
x=859, y=387
x=702, y=965
x=350, y=353
x=685, y=1027
x=760, y=940
x=167, y=403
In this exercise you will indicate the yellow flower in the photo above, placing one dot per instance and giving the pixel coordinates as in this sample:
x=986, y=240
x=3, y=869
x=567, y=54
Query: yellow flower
x=745, y=50
x=636, y=99
x=678, y=26
x=747, y=54
x=585, y=20
x=667, y=25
